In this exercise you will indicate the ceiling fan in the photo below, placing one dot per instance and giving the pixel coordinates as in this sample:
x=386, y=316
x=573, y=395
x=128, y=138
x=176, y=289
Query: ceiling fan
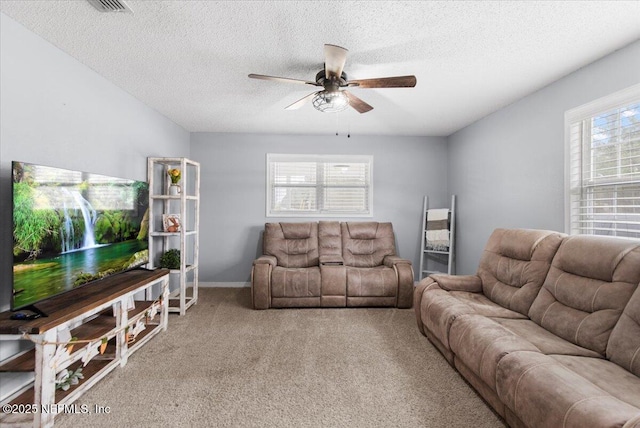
x=333, y=98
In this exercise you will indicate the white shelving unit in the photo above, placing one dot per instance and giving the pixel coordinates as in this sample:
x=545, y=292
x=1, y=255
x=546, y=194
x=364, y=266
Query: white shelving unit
x=429, y=257
x=184, y=281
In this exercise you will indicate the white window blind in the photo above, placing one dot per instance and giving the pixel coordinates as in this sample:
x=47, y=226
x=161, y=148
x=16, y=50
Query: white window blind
x=319, y=185
x=604, y=171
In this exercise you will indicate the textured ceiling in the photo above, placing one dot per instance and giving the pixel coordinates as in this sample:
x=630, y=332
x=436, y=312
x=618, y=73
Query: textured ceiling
x=189, y=60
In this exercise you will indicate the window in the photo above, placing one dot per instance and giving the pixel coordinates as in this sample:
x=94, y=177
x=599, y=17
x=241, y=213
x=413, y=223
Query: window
x=319, y=185
x=604, y=166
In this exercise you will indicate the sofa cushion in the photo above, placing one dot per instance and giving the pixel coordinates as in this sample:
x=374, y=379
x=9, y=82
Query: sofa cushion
x=624, y=344
x=606, y=375
x=363, y=230
x=380, y=281
x=297, y=230
x=295, y=282
x=365, y=244
x=481, y=305
x=514, y=264
x=543, y=392
x=480, y=343
x=439, y=309
x=295, y=245
x=589, y=283
x=545, y=341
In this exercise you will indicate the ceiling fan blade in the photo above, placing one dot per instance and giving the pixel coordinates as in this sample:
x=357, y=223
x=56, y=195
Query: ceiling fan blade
x=385, y=82
x=334, y=59
x=301, y=102
x=282, y=79
x=355, y=102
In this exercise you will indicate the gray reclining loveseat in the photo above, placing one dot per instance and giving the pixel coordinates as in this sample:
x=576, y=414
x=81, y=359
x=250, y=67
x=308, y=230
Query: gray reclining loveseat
x=330, y=264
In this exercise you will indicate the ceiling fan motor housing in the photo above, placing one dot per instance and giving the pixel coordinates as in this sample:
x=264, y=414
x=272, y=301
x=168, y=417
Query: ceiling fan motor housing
x=331, y=85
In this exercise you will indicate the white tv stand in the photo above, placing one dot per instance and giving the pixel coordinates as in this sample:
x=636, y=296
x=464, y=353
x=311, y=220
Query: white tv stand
x=99, y=310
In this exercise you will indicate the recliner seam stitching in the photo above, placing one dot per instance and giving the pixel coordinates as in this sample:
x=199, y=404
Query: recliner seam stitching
x=484, y=352
x=547, y=310
x=621, y=257
x=635, y=354
x=570, y=409
x=535, y=245
x=515, y=394
x=575, y=337
x=595, y=295
x=464, y=332
x=555, y=285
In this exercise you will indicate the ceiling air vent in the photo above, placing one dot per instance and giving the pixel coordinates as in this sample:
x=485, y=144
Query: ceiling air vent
x=111, y=5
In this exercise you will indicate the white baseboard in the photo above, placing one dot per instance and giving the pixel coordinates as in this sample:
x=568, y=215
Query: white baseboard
x=225, y=284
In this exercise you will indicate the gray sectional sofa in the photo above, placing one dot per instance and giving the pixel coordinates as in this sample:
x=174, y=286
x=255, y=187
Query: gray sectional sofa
x=547, y=331
x=330, y=264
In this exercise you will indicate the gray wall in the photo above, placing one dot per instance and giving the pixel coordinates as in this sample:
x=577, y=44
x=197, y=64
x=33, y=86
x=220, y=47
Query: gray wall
x=233, y=168
x=508, y=168
x=56, y=111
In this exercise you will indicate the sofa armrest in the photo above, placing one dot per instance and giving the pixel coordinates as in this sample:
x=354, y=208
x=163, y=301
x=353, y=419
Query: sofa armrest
x=404, y=272
x=405, y=284
x=329, y=260
x=424, y=285
x=470, y=283
x=269, y=260
x=391, y=261
x=261, y=281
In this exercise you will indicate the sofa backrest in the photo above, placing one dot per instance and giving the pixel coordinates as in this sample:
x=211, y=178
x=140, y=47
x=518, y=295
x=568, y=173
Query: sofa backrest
x=365, y=244
x=329, y=238
x=514, y=264
x=624, y=344
x=294, y=245
x=590, y=282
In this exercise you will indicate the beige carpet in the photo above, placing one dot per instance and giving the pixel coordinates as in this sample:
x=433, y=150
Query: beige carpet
x=224, y=364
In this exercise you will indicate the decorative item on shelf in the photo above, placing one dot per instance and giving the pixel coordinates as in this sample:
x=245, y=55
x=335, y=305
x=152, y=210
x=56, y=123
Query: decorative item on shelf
x=90, y=351
x=64, y=335
x=170, y=259
x=128, y=336
x=103, y=345
x=71, y=344
x=171, y=223
x=61, y=355
x=174, y=175
x=137, y=329
x=66, y=378
x=152, y=312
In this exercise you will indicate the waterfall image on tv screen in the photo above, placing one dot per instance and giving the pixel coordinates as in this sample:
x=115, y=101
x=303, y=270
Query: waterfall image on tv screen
x=71, y=228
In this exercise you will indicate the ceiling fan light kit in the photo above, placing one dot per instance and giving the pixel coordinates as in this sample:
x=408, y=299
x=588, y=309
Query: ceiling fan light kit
x=330, y=102
x=333, y=99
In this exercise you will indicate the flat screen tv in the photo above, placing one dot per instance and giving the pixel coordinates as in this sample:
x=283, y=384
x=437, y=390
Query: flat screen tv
x=71, y=228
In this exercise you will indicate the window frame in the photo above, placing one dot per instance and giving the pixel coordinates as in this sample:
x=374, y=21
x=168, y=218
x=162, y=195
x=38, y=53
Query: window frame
x=319, y=159
x=618, y=99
